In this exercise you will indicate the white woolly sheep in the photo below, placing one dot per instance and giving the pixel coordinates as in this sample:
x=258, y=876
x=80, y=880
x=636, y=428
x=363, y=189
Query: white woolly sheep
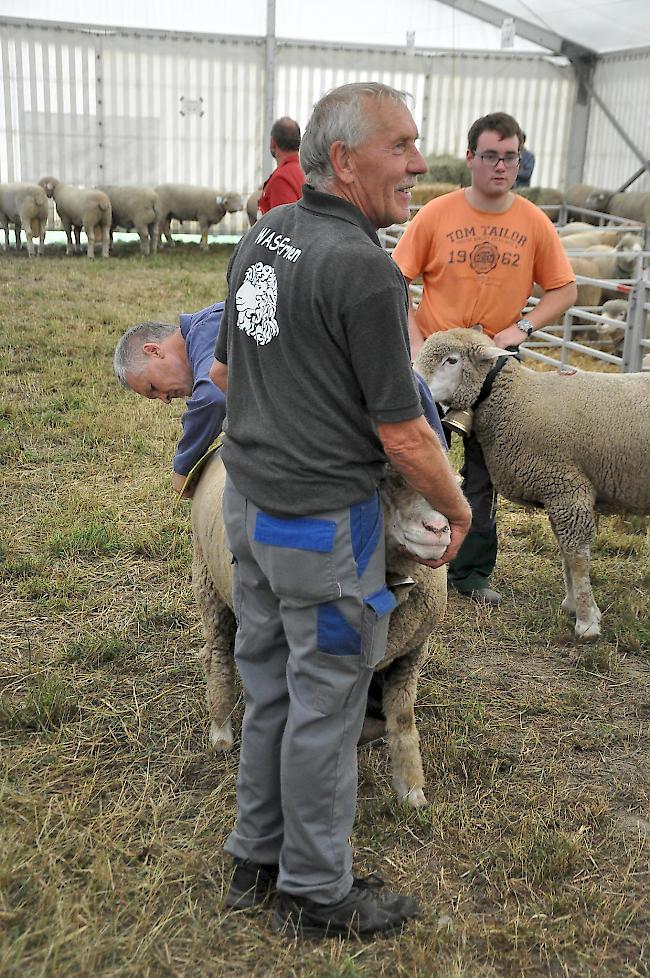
x=615, y=335
x=577, y=227
x=584, y=239
x=25, y=206
x=566, y=442
x=135, y=208
x=420, y=591
x=187, y=203
x=620, y=261
x=78, y=208
x=631, y=204
x=592, y=198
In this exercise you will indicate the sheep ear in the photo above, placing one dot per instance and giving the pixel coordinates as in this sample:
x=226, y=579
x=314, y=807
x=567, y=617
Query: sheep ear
x=494, y=352
x=477, y=328
x=219, y=199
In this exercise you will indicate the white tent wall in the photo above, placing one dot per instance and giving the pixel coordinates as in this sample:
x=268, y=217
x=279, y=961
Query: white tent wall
x=623, y=82
x=95, y=105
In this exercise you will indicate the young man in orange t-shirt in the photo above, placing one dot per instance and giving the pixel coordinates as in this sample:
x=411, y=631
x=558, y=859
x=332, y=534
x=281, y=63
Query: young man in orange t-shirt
x=479, y=250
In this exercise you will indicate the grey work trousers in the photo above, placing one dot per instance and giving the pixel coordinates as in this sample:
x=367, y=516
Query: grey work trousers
x=312, y=610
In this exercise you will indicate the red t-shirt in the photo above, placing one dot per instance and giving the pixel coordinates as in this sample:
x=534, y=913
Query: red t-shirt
x=284, y=186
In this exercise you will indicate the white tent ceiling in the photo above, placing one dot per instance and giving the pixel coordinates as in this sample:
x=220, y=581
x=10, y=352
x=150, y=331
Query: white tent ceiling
x=604, y=25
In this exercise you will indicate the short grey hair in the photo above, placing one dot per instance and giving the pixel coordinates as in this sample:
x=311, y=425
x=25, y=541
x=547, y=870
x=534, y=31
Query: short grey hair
x=340, y=115
x=129, y=356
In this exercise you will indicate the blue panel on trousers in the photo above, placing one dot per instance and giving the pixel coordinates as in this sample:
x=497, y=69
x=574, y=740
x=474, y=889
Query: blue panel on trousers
x=381, y=601
x=298, y=533
x=365, y=529
x=335, y=635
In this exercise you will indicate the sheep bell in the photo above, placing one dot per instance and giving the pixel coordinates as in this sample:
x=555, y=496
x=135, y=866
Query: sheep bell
x=459, y=420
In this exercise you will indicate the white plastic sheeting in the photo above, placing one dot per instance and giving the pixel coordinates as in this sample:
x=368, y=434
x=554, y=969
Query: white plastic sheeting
x=93, y=107
x=623, y=83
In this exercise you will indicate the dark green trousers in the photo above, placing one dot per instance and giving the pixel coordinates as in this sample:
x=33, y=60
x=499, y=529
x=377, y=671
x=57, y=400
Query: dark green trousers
x=476, y=558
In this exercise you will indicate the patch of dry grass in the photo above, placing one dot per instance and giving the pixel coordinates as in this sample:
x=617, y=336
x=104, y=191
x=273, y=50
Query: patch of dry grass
x=532, y=858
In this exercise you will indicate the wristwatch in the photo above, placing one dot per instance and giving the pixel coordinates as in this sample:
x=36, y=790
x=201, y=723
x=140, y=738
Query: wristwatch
x=526, y=326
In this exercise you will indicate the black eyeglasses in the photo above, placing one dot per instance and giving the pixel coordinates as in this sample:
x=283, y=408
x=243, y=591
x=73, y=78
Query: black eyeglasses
x=493, y=159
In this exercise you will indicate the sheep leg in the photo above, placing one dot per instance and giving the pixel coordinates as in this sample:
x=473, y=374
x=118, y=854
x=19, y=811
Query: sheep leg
x=4, y=224
x=105, y=238
x=67, y=227
x=400, y=690
x=41, y=241
x=204, y=235
x=587, y=612
x=574, y=525
x=143, y=234
x=153, y=237
x=77, y=238
x=17, y=229
x=90, y=234
x=217, y=659
x=165, y=231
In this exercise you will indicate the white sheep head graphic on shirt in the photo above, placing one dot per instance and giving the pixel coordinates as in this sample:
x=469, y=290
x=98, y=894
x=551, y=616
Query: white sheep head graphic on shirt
x=256, y=300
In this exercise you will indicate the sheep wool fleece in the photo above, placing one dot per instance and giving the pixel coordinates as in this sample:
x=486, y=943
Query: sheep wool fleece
x=314, y=335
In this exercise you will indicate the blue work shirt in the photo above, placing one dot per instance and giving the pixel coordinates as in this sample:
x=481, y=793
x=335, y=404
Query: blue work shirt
x=206, y=407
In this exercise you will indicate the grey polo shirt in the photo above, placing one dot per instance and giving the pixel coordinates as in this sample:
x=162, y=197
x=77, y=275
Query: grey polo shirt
x=315, y=337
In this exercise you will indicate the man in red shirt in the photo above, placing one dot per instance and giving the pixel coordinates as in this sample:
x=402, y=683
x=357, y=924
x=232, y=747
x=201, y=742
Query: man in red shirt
x=284, y=186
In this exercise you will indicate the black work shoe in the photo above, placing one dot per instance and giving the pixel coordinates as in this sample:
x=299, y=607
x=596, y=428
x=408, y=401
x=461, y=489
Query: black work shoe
x=251, y=883
x=369, y=908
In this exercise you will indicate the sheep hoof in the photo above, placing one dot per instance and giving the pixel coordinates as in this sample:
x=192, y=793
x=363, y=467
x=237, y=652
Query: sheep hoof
x=568, y=607
x=221, y=738
x=415, y=798
x=587, y=631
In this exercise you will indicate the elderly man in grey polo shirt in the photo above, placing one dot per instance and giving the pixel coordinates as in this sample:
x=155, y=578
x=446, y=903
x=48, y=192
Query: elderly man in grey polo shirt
x=313, y=350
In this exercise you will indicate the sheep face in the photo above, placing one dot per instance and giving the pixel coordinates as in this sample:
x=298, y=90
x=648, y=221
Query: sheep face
x=411, y=522
x=49, y=185
x=232, y=202
x=598, y=200
x=455, y=363
x=613, y=309
x=633, y=243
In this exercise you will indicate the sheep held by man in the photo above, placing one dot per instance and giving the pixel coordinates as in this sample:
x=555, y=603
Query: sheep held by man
x=184, y=202
x=79, y=209
x=25, y=206
x=137, y=209
x=421, y=593
x=568, y=443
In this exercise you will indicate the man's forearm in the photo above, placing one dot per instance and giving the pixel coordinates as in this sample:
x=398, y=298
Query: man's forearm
x=417, y=454
x=549, y=309
x=219, y=375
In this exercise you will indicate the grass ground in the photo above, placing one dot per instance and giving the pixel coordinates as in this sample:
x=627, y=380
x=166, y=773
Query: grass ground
x=532, y=859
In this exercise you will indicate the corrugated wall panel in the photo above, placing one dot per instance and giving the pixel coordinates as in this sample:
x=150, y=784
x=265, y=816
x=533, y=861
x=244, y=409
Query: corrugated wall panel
x=148, y=107
x=623, y=83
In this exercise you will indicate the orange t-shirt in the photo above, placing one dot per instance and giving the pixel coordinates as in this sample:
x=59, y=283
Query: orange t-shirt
x=477, y=266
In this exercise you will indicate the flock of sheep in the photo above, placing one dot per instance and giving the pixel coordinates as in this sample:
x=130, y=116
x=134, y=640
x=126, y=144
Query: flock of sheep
x=99, y=211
